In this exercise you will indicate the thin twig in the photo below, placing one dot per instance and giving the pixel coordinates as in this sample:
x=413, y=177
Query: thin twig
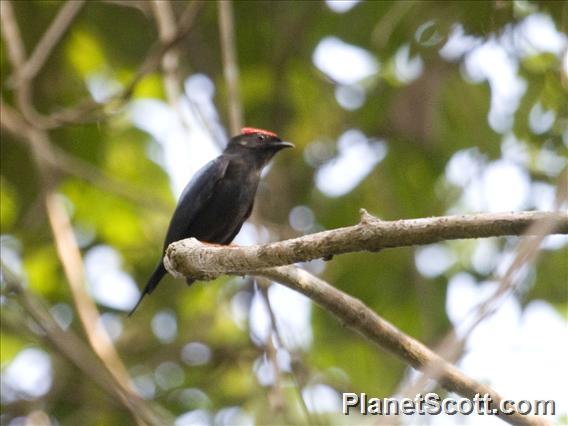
x=74, y=349
x=264, y=285
x=17, y=58
x=230, y=65
x=167, y=29
x=356, y=315
x=276, y=398
x=154, y=58
x=13, y=122
x=43, y=50
x=75, y=166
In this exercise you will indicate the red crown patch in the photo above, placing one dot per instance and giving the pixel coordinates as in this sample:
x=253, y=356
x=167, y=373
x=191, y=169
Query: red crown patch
x=249, y=130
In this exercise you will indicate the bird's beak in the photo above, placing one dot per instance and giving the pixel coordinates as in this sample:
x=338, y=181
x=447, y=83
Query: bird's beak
x=281, y=144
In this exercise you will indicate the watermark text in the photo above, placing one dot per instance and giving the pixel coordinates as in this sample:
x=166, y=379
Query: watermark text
x=432, y=404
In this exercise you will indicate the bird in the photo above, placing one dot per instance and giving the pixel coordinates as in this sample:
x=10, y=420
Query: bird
x=220, y=197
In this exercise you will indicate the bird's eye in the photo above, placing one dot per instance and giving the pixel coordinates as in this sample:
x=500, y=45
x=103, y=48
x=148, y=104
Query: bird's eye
x=260, y=138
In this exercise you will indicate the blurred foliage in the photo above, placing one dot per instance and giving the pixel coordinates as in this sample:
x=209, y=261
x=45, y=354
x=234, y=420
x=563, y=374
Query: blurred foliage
x=423, y=122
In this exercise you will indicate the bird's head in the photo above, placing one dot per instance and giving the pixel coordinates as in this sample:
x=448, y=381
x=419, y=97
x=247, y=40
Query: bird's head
x=258, y=140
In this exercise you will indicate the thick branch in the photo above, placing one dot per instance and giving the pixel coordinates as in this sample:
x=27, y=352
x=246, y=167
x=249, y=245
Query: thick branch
x=204, y=261
x=89, y=110
x=67, y=163
x=192, y=258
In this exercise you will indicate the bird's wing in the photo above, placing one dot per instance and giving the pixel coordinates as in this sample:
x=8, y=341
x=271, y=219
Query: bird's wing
x=194, y=196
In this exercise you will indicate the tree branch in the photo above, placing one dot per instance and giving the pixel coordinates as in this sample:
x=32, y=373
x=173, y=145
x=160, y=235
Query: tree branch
x=59, y=220
x=13, y=122
x=72, y=347
x=230, y=65
x=11, y=35
x=165, y=20
x=89, y=109
x=167, y=28
x=43, y=50
x=191, y=258
x=205, y=261
x=354, y=314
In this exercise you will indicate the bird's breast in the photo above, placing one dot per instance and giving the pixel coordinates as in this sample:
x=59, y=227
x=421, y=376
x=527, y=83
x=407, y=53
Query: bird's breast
x=228, y=206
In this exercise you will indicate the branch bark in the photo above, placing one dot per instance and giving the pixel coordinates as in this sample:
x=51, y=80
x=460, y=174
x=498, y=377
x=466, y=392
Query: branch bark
x=205, y=261
x=191, y=258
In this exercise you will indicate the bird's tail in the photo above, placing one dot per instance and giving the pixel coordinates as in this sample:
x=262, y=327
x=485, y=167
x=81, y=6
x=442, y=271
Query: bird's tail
x=155, y=278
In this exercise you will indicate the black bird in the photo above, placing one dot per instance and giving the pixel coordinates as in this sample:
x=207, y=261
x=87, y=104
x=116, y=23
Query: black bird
x=216, y=202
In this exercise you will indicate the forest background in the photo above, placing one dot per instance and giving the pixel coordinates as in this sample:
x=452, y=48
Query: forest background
x=407, y=109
